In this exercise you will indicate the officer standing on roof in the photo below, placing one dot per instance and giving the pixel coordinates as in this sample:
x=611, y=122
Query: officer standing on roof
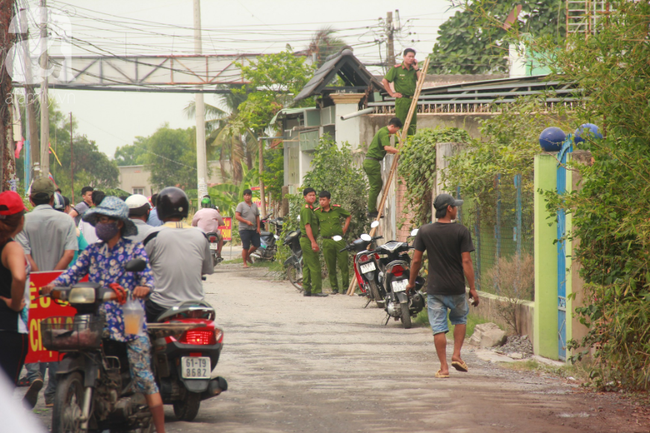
x=404, y=78
x=311, y=278
x=329, y=219
x=372, y=164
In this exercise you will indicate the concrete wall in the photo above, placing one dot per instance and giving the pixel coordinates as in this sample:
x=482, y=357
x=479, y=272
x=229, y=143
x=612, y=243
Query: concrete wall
x=487, y=309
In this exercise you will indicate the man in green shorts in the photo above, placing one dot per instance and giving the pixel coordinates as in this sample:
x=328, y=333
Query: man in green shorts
x=404, y=78
x=372, y=164
x=309, y=246
x=329, y=219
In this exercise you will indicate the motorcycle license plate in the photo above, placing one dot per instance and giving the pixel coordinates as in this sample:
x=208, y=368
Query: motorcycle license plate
x=399, y=286
x=368, y=267
x=214, y=246
x=195, y=367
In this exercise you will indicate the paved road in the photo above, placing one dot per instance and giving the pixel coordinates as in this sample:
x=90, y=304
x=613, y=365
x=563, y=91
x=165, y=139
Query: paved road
x=298, y=364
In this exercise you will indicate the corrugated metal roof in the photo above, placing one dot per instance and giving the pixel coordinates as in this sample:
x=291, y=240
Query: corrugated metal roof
x=346, y=66
x=289, y=111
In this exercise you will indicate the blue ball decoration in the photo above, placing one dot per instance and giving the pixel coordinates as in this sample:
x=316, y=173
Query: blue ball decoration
x=551, y=139
x=587, y=130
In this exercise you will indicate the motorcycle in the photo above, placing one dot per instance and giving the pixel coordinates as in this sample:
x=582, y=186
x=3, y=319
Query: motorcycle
x=268, y=239
x=366, y=267
x=293, y=264
x=94, y=389
x=186, y=345
x=394, y=265
x=213, y=238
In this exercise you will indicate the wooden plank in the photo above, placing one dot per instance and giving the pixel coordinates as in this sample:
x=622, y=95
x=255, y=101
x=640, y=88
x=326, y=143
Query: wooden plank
x=393, y=168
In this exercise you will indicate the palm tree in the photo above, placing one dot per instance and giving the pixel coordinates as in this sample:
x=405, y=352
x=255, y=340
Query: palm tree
x=324, y=44
x=226, y=134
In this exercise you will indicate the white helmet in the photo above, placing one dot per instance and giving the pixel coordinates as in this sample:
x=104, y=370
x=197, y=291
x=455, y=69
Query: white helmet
x=138, y=205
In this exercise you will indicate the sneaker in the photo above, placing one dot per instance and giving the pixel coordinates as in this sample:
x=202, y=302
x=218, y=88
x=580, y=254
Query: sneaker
x=31, y=396
x=334, y=292
x=306, y=293
x=320, y=294
x=49, y=401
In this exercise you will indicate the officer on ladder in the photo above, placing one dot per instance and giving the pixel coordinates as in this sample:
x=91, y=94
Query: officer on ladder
x=372, y=164
x=404, y=78
x=311, y=278
x=329, y=219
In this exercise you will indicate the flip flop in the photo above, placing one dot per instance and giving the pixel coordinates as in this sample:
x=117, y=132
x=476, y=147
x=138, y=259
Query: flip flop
x=440, y=375
x=460, y=366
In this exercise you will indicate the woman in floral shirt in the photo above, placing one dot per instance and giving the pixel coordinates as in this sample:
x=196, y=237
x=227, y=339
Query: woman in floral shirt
x=104, y=262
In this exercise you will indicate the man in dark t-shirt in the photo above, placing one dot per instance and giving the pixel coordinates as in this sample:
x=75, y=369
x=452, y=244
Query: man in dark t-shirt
x=448, y=246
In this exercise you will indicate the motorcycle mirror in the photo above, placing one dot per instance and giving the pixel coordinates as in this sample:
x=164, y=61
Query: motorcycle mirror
x=374, y=224
x=366, y=237
x=414, y=232
x=135, y=265
x=337, y=238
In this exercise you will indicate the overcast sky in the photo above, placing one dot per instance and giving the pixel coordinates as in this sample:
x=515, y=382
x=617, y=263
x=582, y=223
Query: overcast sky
x=114, y=119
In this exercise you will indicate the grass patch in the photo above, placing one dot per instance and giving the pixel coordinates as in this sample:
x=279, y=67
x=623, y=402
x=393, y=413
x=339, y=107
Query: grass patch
x=422, y=319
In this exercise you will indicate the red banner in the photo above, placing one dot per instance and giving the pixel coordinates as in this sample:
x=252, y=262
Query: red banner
x=39, y=309
x=226, y=229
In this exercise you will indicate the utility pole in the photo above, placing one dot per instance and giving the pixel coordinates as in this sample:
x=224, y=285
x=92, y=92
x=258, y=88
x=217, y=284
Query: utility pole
x=390, y=30
x=71, y=162
x=45, y=103
x=201, y=158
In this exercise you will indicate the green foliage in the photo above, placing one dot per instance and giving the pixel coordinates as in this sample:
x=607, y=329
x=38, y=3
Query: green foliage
x=273, y=174
x=132, y=154
x=334, y=171
x=171, y=157
x=417, y=168
x=473, y=41
x=610, y=212
x=274, y=80
x=227, y=195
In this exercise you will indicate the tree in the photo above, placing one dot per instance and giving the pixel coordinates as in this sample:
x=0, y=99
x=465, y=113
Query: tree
x=323, y=44
x=473, y=40
x=172, y=157
x=273, y=81
x=132, y=154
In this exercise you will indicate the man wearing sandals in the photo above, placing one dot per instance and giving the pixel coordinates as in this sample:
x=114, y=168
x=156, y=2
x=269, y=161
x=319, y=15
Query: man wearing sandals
x=448, y=246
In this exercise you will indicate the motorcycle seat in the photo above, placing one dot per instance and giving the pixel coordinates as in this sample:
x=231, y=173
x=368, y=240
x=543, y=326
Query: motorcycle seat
x=263, y=233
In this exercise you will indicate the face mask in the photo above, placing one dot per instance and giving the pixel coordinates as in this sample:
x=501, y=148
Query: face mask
x=106, y=231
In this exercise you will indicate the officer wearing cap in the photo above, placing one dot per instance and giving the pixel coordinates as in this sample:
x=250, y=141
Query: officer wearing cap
x=404, y=78
x=139, y=209
x=448, y=247
x=311, y=262
x=329, y=220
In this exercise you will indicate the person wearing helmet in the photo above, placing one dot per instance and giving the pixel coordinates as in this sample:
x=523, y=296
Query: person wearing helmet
x=209, y=220
x=139, y=209
x=179, y=255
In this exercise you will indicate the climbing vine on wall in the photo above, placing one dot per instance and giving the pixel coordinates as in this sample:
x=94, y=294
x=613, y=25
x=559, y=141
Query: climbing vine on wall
x=417, y=169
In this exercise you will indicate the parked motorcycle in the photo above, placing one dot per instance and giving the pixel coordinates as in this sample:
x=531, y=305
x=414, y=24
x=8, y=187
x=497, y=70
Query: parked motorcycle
x=395, y=265
x=186, y=348
x=293, y=264
x=268, y=239
x=366, y=268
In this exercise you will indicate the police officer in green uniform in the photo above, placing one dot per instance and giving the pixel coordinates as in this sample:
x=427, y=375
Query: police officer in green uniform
x=372, y=164
x=309, y=246
x=329, y=220
x=404, y=77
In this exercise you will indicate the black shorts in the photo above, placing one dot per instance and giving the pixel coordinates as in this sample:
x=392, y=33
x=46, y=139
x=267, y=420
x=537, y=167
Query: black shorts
x=248, y=236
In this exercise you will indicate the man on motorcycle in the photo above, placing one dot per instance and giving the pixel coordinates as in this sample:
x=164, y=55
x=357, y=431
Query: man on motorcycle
x=179, y=255
x=104, y=262
x=209, y=220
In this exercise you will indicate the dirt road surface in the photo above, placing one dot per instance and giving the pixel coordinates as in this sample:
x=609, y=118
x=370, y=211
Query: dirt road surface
x=322, y=365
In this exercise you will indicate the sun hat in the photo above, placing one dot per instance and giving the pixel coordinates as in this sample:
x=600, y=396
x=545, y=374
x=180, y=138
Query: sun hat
x=115, y=208
x=10, y=204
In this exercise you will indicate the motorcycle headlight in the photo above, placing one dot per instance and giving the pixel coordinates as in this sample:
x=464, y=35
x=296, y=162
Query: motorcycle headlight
x=82, y=295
